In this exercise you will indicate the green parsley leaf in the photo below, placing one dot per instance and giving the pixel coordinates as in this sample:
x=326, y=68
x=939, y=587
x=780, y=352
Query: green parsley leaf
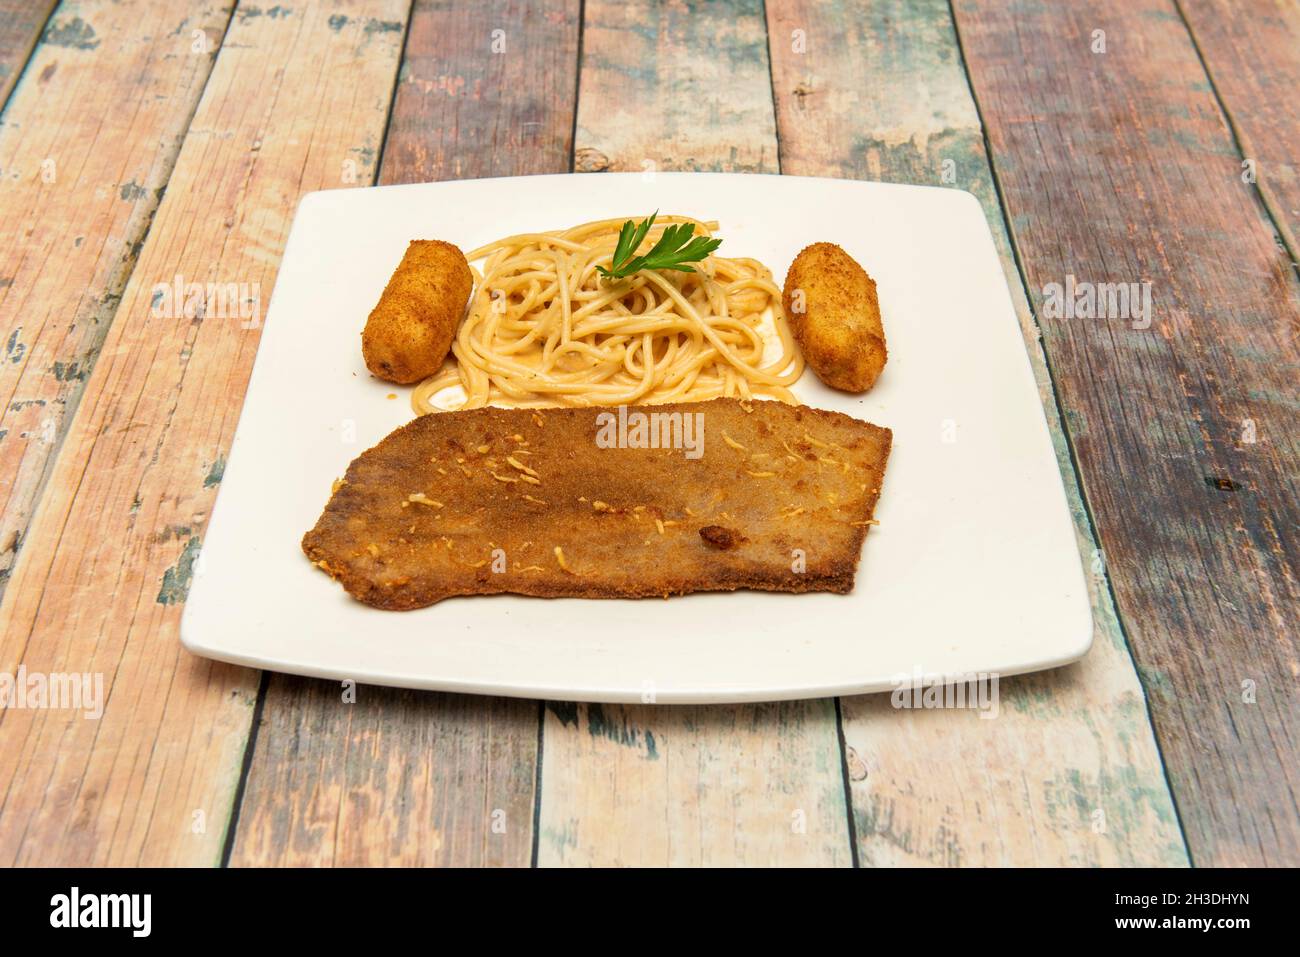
x=677, y=246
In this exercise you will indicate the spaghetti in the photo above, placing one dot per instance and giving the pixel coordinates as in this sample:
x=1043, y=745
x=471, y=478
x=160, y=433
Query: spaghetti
x=544, y=329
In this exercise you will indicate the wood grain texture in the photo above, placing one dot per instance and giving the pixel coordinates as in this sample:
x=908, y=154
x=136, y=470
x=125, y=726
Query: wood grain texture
x=405, y=777
x=388, y=778
x=21, y=24
x=675, y=86
x=879, y=93
x=487, y=89
x=100, y=582
x=1184, y=431
x=727, y=785
x=1252, y=54
x=685, y=86
x=88, y=140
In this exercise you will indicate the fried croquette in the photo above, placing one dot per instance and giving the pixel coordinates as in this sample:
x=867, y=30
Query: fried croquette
x=485, y=501
x=835, y=316
x=411, y=328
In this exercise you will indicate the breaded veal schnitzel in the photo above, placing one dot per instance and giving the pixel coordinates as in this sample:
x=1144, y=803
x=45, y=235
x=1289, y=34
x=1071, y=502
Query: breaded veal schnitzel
x=484, y=501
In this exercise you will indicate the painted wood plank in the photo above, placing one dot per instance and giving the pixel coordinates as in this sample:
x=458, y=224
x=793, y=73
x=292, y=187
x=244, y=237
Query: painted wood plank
x=386, y=777
x=732, y=785
x=294, y=94
x=1183, y=429
x=487, y=89
x=685, y=87
x=1252, y=54
x=88, y=141
x=879, y=93
x=21, y=24
x=401, y=776
x=675, y=86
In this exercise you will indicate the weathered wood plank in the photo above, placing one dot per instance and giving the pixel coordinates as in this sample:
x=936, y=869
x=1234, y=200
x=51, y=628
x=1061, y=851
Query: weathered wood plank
x=486, y=89
x=88, y=142
x=388, y=777
x=685, y=88
x=675, y=86
x=400, y=776
x=1183, y=429
x=21, y=25
x=748, y=785
x=880, y=93
x=99, y=584
x=1252, y=53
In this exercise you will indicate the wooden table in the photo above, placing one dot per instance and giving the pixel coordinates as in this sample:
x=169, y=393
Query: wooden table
x=1114, y=141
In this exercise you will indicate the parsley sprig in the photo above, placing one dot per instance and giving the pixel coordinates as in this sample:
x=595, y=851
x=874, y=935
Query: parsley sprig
x=675, y=248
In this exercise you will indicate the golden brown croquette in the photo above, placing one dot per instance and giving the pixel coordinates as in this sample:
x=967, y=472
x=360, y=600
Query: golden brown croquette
x=410, y=330
x=835, y=315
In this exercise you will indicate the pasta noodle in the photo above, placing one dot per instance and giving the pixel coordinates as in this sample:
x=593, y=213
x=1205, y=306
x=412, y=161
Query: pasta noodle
x=543, y=328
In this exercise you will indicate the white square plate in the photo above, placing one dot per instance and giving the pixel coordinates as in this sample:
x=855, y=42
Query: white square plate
x=973, y=568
